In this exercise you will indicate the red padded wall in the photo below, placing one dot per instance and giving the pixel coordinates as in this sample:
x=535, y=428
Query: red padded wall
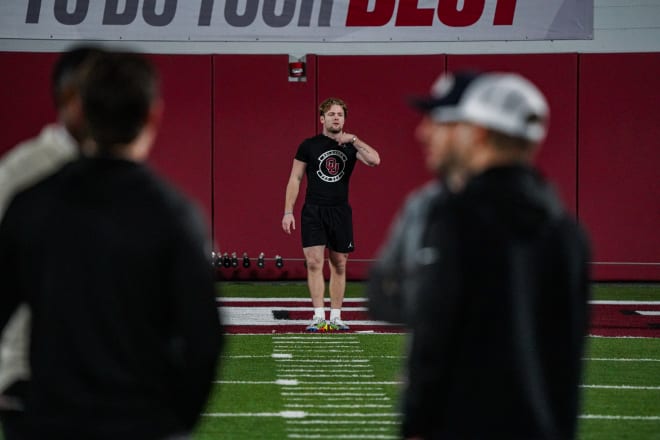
x=232, y=124
x=25, y=94
x=183, y=147
x=260, y=118
x=619, y=193
x=182, y=151
x=376, y=89
x=556, y=76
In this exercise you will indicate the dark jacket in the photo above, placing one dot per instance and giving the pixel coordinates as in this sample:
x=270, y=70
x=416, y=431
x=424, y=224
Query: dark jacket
x=502, y=315
x=125, y=332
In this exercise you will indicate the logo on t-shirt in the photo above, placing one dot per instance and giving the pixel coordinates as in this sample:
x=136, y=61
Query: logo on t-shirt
x=331, y=166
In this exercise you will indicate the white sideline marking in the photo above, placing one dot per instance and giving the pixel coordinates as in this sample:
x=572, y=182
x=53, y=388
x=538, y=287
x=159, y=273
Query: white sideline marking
x=622, y=359
x=258, y=315
x=264, y=316
x=621, y=337
x=621, y=387
x=608, y=417
x=623, y=303
x=282, y=355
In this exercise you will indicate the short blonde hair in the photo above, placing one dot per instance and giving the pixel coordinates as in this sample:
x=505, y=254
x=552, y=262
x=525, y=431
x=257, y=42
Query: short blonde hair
x=325, y=106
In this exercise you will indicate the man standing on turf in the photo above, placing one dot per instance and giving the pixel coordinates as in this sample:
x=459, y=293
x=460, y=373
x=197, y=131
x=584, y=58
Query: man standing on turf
x=327, y=160
x=501, y=312
x=114, y=265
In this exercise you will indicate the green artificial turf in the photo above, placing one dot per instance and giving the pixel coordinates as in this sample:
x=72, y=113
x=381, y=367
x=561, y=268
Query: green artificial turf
x=355, y=289
x=625, y=402
x=621, y=393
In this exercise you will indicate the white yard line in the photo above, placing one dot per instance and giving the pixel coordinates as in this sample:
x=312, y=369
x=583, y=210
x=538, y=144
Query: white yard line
x=341, y=422
x=306, y=338
x=315, y=361
x=345, y=436
x=622, y=387
x=366, y=405
x=339, y=394
x=330, y=375
x=624, y=303
x=622, y=359
x=615, y=417
x=282, y=414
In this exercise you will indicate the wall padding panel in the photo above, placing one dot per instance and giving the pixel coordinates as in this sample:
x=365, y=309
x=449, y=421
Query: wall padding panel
x=182, y=151
x=25, y=94
x=619, y=192
x=260, y=118
x=377, y=89
x=183, y=147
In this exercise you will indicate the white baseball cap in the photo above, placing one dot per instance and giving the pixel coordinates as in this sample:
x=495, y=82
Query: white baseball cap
x=504, y=102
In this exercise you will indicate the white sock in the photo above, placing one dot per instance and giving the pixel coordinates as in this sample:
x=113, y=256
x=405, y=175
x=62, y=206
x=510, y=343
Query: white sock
x=335, y=314
x=319, y=312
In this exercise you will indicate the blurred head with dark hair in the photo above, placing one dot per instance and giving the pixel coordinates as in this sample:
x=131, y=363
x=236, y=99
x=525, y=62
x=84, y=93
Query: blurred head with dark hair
x=122, y=104
x=66, y=81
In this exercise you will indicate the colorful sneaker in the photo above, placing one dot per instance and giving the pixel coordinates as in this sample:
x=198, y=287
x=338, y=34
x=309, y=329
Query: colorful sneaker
x=318, y=324
x=338, y=324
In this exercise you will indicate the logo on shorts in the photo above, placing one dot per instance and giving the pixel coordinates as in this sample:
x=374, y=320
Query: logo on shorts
x=331, y=166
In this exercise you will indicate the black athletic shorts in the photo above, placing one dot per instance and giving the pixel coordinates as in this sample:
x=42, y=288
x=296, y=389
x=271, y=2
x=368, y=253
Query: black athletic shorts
x=330, y=226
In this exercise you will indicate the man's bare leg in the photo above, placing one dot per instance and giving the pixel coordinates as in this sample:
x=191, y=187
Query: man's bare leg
x=315, y=281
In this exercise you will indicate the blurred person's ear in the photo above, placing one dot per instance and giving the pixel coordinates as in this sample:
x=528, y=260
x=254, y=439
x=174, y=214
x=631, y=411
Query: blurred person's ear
x=145, y=140
x=155, y=116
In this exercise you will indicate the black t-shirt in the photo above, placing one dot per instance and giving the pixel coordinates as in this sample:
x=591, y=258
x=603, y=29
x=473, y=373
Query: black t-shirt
x=329, y=169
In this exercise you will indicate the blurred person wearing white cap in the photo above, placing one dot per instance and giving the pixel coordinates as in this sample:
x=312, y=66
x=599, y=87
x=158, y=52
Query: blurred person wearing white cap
x=394, y=278
x=501, y=313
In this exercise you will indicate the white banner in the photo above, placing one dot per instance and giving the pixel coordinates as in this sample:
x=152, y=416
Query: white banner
x=297, y=20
